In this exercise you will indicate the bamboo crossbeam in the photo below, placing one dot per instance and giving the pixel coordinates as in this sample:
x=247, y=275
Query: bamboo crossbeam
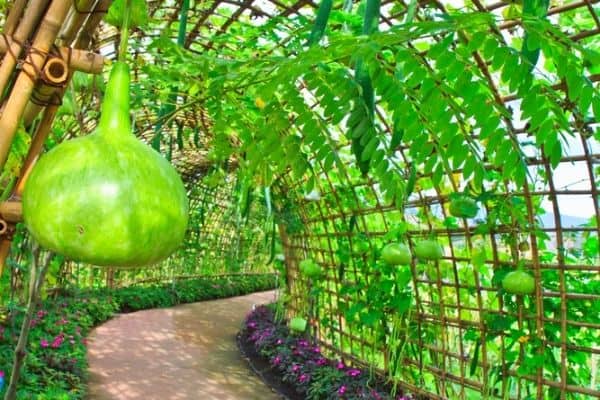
x=78, y=60
x=11, y=211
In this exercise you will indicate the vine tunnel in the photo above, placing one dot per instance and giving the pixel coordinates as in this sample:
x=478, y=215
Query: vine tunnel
x=323, y=132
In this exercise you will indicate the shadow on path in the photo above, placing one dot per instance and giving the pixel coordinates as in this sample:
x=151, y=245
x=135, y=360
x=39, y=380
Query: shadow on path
x=180, y=353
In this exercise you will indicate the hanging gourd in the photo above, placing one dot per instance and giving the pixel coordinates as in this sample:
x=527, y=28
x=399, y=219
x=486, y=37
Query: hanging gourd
x=518, y=282
x=396, y=254
x=298, y=324
x=107, y=198
x=429, y=250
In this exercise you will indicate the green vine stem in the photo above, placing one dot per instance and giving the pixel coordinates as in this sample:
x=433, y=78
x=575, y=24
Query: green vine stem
x=37, y=276
x=124, y=43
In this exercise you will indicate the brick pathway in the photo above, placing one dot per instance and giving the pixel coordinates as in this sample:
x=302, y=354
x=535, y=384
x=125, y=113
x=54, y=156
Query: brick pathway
x=180, y=353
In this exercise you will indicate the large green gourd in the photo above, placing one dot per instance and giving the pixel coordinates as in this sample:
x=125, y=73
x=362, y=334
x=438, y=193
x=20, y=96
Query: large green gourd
x=107, y=198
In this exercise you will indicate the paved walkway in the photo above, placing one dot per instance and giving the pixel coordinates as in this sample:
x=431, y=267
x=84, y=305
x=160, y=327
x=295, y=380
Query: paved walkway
x=180, y=353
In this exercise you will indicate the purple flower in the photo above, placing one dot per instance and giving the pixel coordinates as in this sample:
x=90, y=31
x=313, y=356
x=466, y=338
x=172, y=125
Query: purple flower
x=44, y=343
x=302, y=343
x=340, y=365
x=295, y=368
x=353, y=372
x=251, y=324
x=321, y=361
x=342, y=390
x=316, y=349
x=276, y=360
x=303, y=378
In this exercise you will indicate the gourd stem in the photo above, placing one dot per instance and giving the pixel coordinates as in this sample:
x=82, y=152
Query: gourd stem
x=124, y=44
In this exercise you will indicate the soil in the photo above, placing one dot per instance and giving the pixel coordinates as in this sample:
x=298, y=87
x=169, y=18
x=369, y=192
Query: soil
x=265, y=371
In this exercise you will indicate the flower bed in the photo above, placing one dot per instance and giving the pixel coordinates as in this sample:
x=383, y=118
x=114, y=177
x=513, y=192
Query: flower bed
x=56, y=362
x=296, y=367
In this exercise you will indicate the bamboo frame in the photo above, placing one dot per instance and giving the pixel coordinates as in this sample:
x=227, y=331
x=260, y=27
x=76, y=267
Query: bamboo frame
x=440, y=306
x=15, y=104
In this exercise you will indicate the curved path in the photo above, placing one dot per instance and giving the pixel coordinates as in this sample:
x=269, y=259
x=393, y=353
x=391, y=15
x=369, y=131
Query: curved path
x=180, y=353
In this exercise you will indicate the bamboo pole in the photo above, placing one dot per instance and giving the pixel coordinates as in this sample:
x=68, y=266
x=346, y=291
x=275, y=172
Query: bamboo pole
x=35, y=148
x=15, y=104
x=55, y=75
x=79, y=60
x=31, y=17
x=86, y=34
x=16, y=11
x=75, y=19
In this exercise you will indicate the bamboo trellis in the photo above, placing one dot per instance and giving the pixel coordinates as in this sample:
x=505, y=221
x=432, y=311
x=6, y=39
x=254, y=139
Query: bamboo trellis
x=455, y=304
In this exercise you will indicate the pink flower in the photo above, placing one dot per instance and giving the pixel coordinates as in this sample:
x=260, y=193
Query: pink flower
x=295, y=368
x=303, y=378
x=279, y=341
x=340, y=365
x=58, y=340
x=44, y=343
x=353, y=372
x=1, y=374
x=276, y=360
x=342, y=390
x=321, y=361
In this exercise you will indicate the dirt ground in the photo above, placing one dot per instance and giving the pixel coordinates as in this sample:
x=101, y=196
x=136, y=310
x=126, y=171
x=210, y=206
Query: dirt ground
x=180, y=353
